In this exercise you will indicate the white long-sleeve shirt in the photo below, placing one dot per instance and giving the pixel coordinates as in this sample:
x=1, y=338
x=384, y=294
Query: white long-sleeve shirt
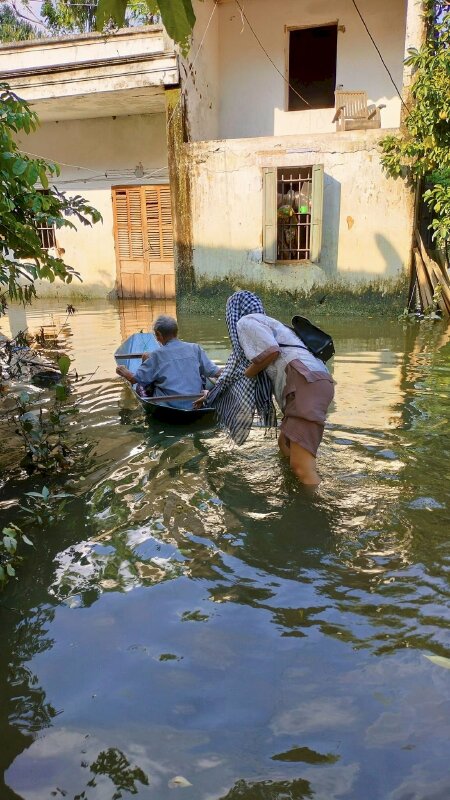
x=260, y=335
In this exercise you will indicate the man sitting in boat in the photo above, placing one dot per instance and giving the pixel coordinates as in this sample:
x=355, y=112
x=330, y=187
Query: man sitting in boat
x=176, y=368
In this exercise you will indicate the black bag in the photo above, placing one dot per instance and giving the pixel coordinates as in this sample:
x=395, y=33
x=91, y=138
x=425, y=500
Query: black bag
x=319, y=343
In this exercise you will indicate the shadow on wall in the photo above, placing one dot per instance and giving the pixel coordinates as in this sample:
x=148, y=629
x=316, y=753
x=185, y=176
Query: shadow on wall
x=393, y=262
x=331, y=224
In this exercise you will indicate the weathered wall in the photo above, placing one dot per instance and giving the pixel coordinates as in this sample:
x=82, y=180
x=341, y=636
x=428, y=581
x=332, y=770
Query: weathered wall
x=199, y=74
x=252, y=93
x=96, y=154
x=367, y=217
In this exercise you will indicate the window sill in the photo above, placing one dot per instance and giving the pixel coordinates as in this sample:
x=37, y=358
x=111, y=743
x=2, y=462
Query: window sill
x=304, y=262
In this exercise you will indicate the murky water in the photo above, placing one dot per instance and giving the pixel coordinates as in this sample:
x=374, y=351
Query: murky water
x=198, y=624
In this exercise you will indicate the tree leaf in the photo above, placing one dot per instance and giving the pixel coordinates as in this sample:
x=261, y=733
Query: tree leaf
x=10, y=570
x=60, y=392
x=179, y=19
x=27, y=540
x=110, y=9
x=441, y=661
x=19, y=166
x=44, y=179
x=64, y=364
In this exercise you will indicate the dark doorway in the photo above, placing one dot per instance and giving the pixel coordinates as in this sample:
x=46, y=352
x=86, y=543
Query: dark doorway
x=312, y=67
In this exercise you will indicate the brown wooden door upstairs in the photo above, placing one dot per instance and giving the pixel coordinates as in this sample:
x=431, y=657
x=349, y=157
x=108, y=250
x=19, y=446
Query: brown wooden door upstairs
x=144, y=241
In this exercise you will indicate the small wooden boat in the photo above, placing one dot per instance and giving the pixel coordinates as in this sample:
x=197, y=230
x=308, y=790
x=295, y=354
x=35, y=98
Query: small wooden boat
x=174, y=409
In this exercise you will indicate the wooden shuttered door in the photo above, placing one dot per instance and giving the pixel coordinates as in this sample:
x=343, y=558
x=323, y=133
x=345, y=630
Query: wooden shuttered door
x=144, y=241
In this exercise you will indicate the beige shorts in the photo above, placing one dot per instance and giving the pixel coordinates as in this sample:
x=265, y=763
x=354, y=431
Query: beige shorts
x=308, y=396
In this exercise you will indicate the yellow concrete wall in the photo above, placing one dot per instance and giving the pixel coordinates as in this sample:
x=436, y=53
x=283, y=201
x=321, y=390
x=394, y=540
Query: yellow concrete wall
x=366, y=222
x=95, y=155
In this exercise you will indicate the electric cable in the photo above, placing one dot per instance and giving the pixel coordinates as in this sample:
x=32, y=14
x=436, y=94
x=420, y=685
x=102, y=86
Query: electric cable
x=243, y=14
x=183, y=91
x=380, y=55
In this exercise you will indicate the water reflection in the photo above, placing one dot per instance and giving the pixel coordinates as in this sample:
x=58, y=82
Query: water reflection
x=198, y=615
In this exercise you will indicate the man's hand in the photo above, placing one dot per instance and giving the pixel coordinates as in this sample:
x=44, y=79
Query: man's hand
x=125, y=373
x=201, y=401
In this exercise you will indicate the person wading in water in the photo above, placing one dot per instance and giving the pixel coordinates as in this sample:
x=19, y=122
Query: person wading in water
x=268, y=357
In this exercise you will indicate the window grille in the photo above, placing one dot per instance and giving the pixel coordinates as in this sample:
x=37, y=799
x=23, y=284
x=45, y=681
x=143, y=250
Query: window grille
x=47, y=235
x=46, y=231
x=294, y=214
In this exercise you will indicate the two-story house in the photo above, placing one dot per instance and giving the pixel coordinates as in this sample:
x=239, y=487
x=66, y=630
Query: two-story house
x=257, y=157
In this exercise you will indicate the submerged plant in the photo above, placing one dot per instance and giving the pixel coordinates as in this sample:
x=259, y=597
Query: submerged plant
x=45, y=507
x=44, y=431
x=9, y=557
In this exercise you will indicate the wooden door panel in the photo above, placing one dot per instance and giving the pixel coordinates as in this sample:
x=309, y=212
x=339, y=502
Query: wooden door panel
x=157, y=286
x=143, y=235
x=127, y=285
x=161, y=268
x=169, y=285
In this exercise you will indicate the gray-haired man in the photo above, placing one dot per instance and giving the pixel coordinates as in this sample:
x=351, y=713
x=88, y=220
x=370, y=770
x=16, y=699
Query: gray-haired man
x=175, y=368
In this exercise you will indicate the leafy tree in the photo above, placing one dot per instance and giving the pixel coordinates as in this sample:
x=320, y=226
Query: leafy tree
x=27, y=201
x=178, y=16
x=13, y=28
x=422, y=149
x=64, y=17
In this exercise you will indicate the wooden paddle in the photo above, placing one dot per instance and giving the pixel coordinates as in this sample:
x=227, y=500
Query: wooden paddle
x=129, y=355
x=165, y=398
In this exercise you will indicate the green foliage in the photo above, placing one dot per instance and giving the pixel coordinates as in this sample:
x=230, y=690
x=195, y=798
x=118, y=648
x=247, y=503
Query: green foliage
x=9, y=557
x=178, y=16
x=423, y=146
x=45, y=507
x=23, y=206
x=13, y=28
x=44, y=433
x=62, y=17
x=65, y=17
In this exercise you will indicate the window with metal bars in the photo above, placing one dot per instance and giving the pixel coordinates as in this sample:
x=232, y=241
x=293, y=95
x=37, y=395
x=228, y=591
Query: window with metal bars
x=47, y=235
x=46, y=231
x=292, y=213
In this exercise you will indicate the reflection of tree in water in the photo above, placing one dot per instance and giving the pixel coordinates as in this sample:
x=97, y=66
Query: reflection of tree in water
x=270, y=790
x=29, y=711
x=114, y=764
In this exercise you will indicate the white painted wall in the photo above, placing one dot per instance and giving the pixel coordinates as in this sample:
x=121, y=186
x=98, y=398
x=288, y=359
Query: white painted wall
x=96, y=154
x=199, y=74
x=252, y=93
x=367, y=217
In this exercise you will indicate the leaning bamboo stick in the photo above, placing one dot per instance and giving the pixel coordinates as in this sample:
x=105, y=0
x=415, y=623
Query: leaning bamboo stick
x=425, y=288
x=435, y=272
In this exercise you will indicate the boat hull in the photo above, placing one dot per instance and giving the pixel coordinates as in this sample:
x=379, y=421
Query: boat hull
x=176, y=416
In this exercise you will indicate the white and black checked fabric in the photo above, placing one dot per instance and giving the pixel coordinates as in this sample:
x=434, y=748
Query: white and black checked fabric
x=235, y=397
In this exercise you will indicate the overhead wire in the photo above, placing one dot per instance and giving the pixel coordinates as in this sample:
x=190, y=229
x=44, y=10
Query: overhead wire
x=380, y=55
x=244, y=16
x=107, y=172
x=183, y=91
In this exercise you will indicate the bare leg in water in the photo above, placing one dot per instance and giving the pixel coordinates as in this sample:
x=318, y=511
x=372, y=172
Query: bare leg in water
x=301, y=461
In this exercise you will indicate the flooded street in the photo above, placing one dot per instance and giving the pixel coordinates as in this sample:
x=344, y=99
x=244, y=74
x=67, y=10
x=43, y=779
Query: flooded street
x=199, y=623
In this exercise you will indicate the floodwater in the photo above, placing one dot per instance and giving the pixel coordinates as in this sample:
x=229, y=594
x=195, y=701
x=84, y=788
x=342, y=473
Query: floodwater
x=198, y=625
